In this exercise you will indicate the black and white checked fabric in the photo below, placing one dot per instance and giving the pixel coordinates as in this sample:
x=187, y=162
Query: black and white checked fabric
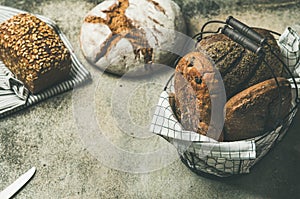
x=205, y=155
x=289, y=43
x=9, y=101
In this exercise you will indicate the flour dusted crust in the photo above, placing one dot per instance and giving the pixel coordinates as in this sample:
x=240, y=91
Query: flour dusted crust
x=131, y=35
x=195, y=86
x=33, y=52
x=257, y=109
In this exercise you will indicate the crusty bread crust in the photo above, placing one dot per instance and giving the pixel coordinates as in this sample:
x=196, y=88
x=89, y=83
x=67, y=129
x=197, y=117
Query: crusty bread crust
x=257, y=109
x=194, y=76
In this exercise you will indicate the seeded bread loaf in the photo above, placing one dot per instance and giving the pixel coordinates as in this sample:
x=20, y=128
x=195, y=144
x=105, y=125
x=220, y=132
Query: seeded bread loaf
x=240, y=68
x=33, y=52
x=257, y=109
x=132, y=37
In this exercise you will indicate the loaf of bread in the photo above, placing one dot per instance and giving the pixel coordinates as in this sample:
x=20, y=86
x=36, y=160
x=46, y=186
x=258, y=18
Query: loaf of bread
x=132, y=37
x=196, y=84
x=241, y=68
x=33, y=52
x=257, y=109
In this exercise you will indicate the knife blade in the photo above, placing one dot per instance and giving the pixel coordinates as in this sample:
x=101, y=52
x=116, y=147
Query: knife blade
x=17, y=185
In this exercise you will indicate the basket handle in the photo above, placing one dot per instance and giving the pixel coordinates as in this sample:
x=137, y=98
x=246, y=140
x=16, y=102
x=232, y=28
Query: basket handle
x=241, y=39
x=246, y=30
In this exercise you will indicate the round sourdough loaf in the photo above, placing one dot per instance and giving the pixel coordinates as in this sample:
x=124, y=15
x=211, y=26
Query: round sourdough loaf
x=257, y=109
x=197, y=86
x=132, y=37
x=241, y=68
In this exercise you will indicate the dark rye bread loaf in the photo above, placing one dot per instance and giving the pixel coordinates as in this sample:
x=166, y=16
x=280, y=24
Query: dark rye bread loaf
x=195, y=87
x=241, y=68
x=257, y=109
x=33, y=52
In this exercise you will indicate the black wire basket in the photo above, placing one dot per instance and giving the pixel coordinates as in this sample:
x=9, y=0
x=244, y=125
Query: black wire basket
x=205, y=155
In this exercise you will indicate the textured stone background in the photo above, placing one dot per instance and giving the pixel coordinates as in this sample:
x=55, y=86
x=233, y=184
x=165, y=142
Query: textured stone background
x=49, y=137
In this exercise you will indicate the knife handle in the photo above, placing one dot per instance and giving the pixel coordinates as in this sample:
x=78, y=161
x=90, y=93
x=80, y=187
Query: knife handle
x=242, y=40
x=245, y=30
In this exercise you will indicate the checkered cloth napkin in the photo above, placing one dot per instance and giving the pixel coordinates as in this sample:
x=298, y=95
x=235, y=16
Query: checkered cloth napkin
x=289, y=43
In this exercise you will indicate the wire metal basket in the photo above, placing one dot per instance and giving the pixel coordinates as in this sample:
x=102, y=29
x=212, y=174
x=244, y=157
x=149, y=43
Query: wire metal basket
x=205, y=155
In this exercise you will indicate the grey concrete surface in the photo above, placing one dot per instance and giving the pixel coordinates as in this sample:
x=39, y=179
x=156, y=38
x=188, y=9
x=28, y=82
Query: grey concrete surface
x=59, y=137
